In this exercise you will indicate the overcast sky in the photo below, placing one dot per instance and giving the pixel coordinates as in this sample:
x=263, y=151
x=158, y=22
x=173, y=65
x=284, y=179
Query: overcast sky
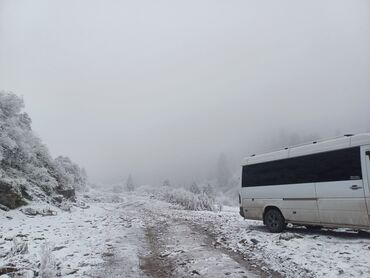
x=160, y=88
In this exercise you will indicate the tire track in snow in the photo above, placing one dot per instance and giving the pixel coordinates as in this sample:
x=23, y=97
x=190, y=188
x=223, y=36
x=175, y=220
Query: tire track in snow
x=179, y=250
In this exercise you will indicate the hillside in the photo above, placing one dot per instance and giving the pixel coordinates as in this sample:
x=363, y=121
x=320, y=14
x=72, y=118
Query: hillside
x=27, y=170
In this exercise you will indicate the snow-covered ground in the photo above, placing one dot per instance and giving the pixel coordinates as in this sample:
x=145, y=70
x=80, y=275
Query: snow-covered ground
x=139, y=236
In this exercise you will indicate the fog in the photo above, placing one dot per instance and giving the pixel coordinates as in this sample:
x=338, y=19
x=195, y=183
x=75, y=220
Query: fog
x=159, y=89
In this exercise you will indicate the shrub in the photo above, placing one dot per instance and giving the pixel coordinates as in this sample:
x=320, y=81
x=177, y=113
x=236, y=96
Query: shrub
x=180, y=196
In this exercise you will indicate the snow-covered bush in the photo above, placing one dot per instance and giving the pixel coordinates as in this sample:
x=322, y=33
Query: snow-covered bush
x=75, y=175
x=48, y=265
x=19, y=247
x=151, y=190
x=190, y=200
x=181, y=196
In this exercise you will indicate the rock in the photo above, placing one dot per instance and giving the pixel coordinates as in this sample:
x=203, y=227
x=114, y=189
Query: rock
x=9, y=217
x=83, y=264
x=69, y=194
x=4, y=208
x=58, y=199
x=33, y=212
x=21, y=235
x=254, y=241
x=107, y=254
x=195, y=272
x=82, y=205
x=29, y=211
x=71, y=271
x=9, y=196
x=7, y=270
x=165, y=254
x=48, y=212
x=289, y=236
x=243, y=241
x=57, y=248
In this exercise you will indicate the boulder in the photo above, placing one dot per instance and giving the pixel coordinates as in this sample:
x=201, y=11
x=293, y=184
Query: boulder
x=69, y=194
x=29, y=211
x=7, y=270
x=289, y=236
x=9, y=197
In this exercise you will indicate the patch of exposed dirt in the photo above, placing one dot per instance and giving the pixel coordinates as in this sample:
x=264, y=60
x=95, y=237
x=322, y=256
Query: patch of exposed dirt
x=157, y=264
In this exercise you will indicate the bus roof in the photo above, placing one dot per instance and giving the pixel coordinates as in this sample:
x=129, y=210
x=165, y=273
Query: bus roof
x=338, y=143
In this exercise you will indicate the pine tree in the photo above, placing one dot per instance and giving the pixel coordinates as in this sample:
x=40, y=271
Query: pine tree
x=223, y=171
x=130, y=186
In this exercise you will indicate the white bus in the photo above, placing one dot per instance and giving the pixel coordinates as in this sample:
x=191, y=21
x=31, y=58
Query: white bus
x=322, y=184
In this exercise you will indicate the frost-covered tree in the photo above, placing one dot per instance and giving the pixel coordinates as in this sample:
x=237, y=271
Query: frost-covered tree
x=130, y=186
x=209, y=191
x=166, y=183
x=194, y=188
x=75, y=175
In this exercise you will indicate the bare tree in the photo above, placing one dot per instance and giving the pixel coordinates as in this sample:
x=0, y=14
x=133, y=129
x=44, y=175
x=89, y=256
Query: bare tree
x=223, y=171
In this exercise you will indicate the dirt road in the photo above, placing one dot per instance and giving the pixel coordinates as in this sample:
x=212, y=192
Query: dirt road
x=123, y=235
x=158, y=243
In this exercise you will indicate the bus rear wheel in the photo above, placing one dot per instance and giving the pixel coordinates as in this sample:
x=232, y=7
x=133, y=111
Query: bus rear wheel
x=274, y=221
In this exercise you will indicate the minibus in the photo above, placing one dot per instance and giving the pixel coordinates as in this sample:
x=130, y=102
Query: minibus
x=321, y=184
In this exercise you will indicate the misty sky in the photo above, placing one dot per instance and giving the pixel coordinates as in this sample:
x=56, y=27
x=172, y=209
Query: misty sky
x=160, y=88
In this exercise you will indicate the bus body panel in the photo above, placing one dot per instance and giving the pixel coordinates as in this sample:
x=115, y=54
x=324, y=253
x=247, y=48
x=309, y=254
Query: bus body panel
x=339, y=203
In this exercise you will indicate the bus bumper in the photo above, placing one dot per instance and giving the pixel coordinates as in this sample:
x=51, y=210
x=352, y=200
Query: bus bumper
x=241, y=212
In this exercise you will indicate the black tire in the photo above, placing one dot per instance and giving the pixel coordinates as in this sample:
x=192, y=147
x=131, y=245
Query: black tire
x=313, y=227
x=274, y=221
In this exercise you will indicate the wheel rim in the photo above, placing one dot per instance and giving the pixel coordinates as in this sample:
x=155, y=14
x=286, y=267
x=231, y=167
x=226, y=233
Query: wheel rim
x=273, y=220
